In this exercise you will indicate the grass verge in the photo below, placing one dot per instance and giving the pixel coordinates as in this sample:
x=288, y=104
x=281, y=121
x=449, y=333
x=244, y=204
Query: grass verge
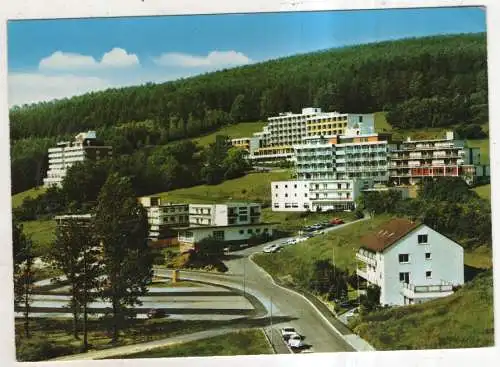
x=247, y=342
x=17, y=199
x=240, y=130
x=462, y=320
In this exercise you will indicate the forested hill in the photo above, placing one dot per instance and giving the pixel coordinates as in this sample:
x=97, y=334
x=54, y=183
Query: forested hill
x=441, y=80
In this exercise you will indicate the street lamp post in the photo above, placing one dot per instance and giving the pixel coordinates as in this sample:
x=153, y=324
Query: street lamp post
x=244, y=276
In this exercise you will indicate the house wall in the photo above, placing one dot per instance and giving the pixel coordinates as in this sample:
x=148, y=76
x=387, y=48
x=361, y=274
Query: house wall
x=290, y=196
x=446, y=263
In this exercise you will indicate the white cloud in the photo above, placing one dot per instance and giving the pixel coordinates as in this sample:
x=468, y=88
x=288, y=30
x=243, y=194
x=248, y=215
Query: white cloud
x=213, y=59
x=115, y=58
x=34, y=87
x=118, y=57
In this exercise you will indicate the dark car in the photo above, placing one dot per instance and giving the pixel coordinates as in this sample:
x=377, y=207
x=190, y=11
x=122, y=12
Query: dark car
x=156, y=313
x=336, y=221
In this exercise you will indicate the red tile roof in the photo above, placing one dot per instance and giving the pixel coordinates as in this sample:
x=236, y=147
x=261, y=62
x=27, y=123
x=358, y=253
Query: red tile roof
x=388, y=234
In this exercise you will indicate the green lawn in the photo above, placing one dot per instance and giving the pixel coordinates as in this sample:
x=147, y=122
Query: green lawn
x=340, y=245
x=252, y=187
x=169, y=284
x=248, y=342
x=462, y=320
x=484, y=191
x=42, y=232
x=17, y=199
x=241, y=130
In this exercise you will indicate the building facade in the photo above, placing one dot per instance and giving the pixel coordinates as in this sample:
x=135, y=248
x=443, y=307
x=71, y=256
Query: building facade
x=318, y=195
x=410, y=262
x=276, y=140
x=65, y=154
x=415, y=160
x=163, y=216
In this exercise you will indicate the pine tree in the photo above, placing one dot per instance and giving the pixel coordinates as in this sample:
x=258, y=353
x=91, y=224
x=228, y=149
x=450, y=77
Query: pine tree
x=121, y=226
x=23, y=272
x=76, y=254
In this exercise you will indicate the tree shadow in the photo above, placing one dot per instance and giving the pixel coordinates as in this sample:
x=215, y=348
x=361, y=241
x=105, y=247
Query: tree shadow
x=232, y=256
x=470, y=272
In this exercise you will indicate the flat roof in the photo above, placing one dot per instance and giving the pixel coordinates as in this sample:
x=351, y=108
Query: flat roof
x=194, y=228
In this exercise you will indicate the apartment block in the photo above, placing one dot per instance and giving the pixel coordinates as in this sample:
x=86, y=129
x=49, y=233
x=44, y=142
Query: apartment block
x=163, y=216
x=318, y=195
x=415, y=160
x=224, y=214
x=276, y=141
x=67, y=153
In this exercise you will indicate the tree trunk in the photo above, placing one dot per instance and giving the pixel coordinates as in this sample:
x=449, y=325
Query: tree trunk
x=114, y=340
x=27, y=292
x=74, y=305
x=85, y=339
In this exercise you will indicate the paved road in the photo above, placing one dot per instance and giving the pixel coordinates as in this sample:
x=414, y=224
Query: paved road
x=285, y=307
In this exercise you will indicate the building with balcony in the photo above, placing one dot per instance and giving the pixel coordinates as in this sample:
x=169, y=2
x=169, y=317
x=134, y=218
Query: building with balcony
x=67, y=153
x=276, y=140
x=163, y=216
x=363, y=157
x=233, y=222
x=318, y=195
x=415, y=160
x=410, y=262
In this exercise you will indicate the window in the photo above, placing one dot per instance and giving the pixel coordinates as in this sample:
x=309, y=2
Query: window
x=428, y=274
x=276, y=195
x=275, y=186
x=218, y=235
x=295, y=195
x=404, y=277
x=427, y=256
x=242, y=231
x=360, y=118
x=286, y=186
x=276, y=205
x=286, y=195
x=305, y=194
x=250, y=231
x=295, y=186
x=404, y=258
x=422, y=238
x=257, y=230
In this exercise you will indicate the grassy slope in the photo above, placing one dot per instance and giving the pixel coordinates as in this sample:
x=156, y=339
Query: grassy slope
x=248, y=342
x=252, y=187
x=17, y=199
x=240, y=130
x=484, y=191
x=42, y=232
x=462, y=320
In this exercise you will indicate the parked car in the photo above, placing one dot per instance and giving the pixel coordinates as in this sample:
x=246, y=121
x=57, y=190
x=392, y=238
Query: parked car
x=156, y=313
x=288, y=331
x=309, y=235
x=336, y=221
x=271, y=248
x=291, y=241
x=295, y=341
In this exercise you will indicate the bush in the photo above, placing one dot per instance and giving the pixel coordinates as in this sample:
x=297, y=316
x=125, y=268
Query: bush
x=36, y=349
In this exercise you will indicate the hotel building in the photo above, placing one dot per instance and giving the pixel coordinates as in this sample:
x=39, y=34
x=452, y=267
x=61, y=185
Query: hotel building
x=276, y=141
x=162, y=217
x=415, y=160
x=85, y=146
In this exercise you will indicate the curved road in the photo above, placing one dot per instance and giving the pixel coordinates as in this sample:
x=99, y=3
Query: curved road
x=318, y=332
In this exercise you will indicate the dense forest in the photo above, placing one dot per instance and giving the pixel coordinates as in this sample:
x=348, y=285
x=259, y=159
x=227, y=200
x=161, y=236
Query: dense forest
x=433, y=81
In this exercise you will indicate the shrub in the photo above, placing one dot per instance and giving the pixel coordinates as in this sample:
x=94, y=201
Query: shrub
x=37, y=349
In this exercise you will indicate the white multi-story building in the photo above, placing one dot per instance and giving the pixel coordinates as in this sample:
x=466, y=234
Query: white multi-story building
x=276, y=141
x=415, y=160
x=318, y=195
x=410, y=262
x=231, y=222
x=85, y=146
x=164, y=216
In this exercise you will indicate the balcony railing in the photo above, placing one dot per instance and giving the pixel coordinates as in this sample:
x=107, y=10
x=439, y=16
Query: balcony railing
x=366, y=257
x=426, y=291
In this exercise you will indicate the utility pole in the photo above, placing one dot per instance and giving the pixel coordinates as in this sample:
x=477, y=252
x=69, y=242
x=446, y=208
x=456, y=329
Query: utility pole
x=244, y=276
x=272, y=342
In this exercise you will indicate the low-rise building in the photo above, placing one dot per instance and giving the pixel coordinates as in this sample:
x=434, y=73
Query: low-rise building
x=317, y=195
x=163, y=216
x=67, y=153
x=410, y=262
x=231, y=222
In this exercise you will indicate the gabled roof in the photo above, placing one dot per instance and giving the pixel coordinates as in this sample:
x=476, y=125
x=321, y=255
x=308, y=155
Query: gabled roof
x=388, y=234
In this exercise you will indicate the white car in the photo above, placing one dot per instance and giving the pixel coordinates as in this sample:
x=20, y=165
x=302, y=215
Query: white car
x=271, y=248
x=286, y=332
x=300, y=239
x=295, y=341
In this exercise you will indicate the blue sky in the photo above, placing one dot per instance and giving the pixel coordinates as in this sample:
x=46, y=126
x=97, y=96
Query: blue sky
x=60, y=58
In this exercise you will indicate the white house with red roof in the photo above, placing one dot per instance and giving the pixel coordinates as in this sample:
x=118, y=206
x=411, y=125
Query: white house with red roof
x=410, y=262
